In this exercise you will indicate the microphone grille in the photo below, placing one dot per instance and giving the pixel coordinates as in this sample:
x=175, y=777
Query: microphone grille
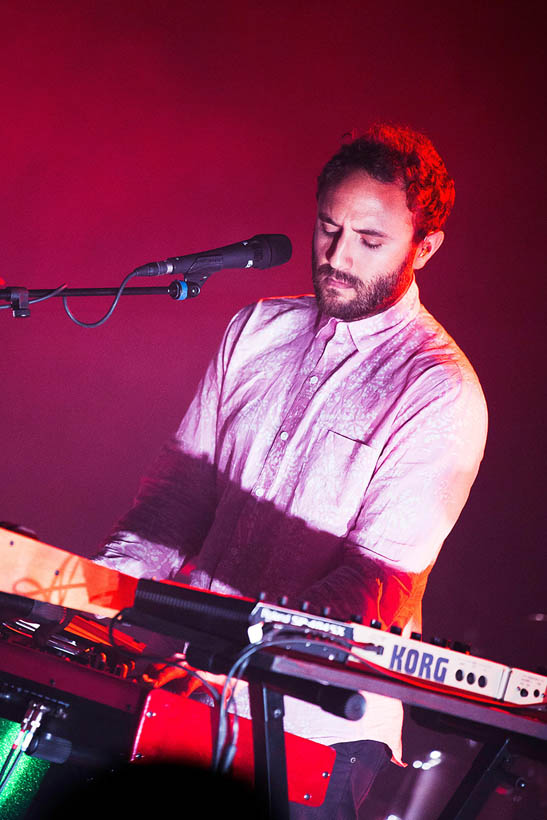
x=270, y=249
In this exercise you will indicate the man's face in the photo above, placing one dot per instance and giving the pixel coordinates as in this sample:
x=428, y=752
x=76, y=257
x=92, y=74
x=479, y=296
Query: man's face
x=363, y=249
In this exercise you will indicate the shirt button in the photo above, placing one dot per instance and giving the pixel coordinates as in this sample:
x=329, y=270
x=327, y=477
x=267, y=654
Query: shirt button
x=284, y=436
x=259, y=492
x=314, y=379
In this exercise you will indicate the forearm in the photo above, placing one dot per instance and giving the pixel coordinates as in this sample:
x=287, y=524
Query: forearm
x=169, y=518
x=365, y=588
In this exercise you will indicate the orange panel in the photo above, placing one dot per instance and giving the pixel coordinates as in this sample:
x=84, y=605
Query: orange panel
x=46, y=573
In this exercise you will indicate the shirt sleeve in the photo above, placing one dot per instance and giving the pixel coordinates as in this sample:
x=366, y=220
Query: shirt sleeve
x=176, y=501
x=420, y=484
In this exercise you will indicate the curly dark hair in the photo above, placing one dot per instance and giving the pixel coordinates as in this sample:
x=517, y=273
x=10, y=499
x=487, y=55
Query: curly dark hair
x=396, y=153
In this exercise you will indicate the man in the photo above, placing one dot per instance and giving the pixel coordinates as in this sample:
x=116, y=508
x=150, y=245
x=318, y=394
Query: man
x=333, y=440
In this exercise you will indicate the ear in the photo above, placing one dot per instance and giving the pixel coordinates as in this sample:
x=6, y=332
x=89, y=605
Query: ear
x=427, y=247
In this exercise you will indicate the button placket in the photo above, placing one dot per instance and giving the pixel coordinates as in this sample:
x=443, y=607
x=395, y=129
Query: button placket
x=307, y=391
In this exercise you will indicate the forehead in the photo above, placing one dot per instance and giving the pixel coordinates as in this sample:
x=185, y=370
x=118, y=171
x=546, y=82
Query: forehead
x=361, y=199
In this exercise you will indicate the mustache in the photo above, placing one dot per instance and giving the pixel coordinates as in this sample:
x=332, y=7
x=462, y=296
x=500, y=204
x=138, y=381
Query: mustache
x=325, y=270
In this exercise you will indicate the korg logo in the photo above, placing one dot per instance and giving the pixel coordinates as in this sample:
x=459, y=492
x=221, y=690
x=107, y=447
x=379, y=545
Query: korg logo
x=421, y=664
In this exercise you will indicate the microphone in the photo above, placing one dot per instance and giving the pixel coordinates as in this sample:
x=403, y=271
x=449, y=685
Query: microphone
x=261, y=251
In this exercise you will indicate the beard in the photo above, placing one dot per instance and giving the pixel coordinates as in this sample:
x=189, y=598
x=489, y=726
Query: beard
x=370, y=298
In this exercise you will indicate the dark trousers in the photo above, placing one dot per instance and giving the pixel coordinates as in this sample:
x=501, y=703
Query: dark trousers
x=356, y=765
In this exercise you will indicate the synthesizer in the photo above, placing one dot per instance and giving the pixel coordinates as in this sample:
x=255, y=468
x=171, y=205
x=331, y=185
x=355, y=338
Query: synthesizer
x=416, y=660
x=44, y=573
x=379, y=650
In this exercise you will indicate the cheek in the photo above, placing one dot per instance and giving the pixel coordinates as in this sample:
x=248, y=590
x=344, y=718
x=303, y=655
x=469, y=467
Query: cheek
x=381, y=260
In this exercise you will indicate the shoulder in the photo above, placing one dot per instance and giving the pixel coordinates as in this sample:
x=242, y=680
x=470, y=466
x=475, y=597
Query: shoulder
x=436, y=354
x=295, y=309
x=264, y=326
x=439, y=373
x=287, y=315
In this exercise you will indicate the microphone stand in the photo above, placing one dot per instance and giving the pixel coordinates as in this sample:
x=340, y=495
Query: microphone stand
x=261, y=251
x=20, y=298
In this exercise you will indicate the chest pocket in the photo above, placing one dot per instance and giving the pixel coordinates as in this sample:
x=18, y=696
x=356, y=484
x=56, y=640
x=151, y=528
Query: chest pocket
x=333, y=480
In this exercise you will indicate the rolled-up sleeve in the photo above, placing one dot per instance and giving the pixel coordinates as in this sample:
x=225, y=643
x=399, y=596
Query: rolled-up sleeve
x=176, y=501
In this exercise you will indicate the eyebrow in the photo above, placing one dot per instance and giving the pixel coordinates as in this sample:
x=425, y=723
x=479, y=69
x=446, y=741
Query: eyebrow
x=367, y=231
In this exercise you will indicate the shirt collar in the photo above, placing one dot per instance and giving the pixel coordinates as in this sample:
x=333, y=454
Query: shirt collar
x=373, y=330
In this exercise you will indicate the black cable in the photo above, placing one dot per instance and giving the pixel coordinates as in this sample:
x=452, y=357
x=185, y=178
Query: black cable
x=223, y=755
x=110, y=310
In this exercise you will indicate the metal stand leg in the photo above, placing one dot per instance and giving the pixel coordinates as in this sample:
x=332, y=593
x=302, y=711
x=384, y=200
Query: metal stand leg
x=483, y=776
x=267, y=713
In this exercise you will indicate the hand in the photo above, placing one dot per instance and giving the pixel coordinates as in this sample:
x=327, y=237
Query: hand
x=178, y=677
x=164, y=674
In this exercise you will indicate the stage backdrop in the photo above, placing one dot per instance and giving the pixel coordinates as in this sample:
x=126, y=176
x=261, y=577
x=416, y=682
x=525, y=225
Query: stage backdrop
x=134, y=131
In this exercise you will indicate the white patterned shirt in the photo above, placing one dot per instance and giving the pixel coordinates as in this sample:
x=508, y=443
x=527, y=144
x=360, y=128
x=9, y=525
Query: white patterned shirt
x=322, y=460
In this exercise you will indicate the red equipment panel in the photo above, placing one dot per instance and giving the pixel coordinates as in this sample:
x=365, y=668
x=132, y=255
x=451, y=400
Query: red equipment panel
x=175, y=728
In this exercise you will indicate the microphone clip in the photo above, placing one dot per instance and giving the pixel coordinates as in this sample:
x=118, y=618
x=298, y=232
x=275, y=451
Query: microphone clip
x=180, y=289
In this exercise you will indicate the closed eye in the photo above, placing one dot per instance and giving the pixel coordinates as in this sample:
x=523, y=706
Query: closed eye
x=330, y=229
x=371, y=245
x=327, y=228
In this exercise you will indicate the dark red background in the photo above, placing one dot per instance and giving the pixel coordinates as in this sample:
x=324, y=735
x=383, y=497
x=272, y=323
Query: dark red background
x=133, y=131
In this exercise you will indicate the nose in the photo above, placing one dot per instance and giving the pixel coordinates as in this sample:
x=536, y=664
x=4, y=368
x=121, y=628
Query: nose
x=338, y=253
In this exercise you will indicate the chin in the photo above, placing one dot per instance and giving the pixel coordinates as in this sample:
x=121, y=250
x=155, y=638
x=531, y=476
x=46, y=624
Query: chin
x=340, y=308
